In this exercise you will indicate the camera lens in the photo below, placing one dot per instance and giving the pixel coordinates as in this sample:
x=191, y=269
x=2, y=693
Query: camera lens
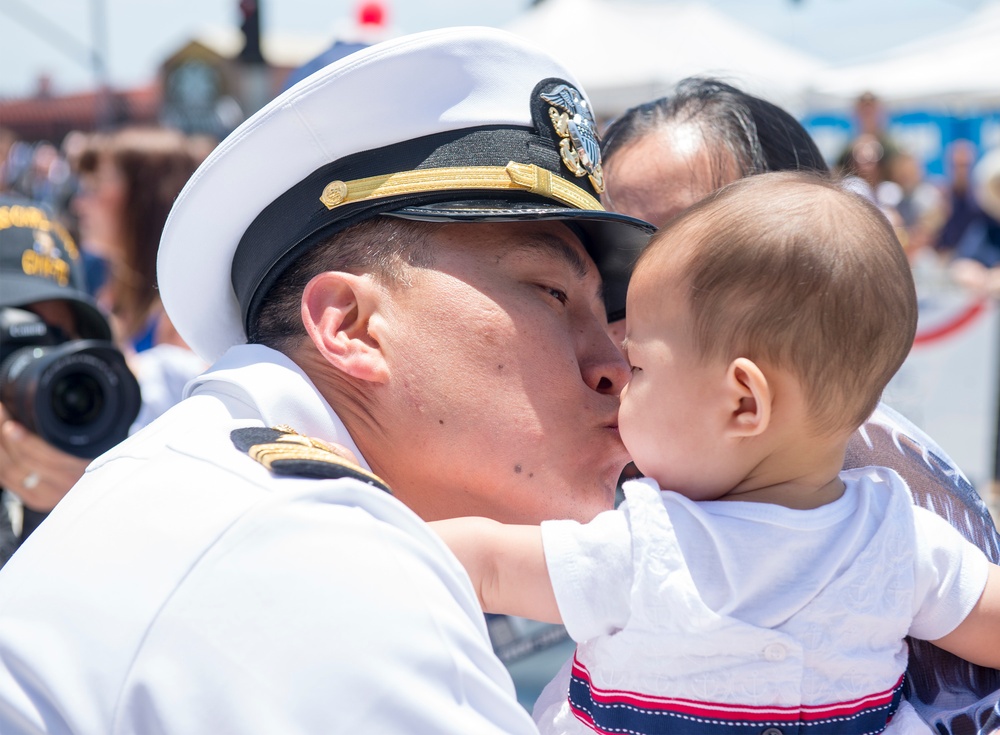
x=79, y=396
x=77, y=399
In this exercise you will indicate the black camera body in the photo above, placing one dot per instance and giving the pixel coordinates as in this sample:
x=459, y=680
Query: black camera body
x=77, y=395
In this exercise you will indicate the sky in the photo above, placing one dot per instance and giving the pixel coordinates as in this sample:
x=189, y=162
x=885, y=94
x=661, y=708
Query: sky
x=58, y=37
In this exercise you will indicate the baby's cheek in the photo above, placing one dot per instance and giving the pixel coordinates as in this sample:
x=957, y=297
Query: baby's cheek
x=629, y=426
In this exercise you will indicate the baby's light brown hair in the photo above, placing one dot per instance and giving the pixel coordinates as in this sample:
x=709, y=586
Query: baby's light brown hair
x=792, y=271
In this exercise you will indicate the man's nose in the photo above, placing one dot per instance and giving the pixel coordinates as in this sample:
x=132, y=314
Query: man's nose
x=603, y=366
x=616, y=330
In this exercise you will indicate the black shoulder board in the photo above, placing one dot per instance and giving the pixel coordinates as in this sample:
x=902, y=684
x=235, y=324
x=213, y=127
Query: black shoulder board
x=285, y=452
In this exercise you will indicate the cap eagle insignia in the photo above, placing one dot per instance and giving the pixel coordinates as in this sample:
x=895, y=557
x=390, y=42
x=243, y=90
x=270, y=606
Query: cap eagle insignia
x=574, y=123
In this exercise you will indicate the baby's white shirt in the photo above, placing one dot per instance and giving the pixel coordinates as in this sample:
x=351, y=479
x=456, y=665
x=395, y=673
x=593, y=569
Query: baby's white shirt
x=671, y=597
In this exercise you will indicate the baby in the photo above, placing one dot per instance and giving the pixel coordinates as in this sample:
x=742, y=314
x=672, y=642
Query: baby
x=747, y=584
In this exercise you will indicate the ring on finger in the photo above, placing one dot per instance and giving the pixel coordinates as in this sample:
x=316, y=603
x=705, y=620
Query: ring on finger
x=31, y=480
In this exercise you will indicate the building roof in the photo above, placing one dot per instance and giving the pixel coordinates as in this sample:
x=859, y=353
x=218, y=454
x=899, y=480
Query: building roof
x=47, y=117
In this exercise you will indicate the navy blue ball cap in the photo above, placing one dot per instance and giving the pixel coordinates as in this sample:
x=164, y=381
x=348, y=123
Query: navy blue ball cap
x=458, y=124
x=40, y=262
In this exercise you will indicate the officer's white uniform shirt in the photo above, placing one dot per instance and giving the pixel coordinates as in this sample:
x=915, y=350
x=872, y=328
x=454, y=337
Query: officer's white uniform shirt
x=182, y=588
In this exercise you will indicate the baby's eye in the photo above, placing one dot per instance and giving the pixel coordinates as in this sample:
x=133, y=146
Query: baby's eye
x=635, y=368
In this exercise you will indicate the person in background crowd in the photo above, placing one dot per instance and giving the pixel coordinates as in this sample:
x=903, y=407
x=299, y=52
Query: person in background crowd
x=48, y=179
x=704, y=135
x=128, y=182
x=129, y=179
x=877, y=148
x=864, y=170
x=918, y=202
x=665, y=155
x=976, y=258
x=865, y=162
x=962, y=210
x=40, y=272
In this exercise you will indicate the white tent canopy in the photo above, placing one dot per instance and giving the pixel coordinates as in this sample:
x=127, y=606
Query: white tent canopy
x=958, y=67
x=625, y=52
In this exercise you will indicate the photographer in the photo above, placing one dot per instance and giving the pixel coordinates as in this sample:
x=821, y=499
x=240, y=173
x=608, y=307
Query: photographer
x=64, y=400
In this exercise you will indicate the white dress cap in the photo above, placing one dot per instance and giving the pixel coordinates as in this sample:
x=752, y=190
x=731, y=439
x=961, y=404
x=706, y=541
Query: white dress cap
x=458, y=123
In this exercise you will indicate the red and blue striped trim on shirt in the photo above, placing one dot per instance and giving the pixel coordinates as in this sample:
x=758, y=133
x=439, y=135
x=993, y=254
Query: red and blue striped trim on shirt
x=632, y=713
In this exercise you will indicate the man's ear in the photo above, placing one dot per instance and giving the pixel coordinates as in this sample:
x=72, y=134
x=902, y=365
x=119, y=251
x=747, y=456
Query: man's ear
x=337, y=308
x=750, y=398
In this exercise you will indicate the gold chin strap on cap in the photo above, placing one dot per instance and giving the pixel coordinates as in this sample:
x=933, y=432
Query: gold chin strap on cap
x=512, y=177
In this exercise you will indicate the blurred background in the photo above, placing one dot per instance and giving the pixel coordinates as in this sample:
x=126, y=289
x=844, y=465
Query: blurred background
x=204, y=65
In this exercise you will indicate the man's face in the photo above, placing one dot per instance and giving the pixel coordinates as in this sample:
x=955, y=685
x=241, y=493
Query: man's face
x=504, y=384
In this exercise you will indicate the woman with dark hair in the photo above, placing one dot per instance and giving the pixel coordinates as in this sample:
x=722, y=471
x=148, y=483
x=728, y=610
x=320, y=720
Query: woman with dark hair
x=128, y=182
x=663, y=156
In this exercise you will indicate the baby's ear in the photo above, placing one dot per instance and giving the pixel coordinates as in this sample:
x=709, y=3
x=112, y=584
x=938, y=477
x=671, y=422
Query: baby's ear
x=749, y=395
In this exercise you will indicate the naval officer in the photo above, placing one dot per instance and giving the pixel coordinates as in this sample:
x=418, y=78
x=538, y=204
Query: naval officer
x=404, y=254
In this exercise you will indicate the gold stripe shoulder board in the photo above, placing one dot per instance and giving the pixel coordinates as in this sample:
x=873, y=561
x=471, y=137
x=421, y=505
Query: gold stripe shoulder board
x=284, y=451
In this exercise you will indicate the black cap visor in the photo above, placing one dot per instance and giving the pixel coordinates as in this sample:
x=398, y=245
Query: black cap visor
x=515, y=159
x=614, y=241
